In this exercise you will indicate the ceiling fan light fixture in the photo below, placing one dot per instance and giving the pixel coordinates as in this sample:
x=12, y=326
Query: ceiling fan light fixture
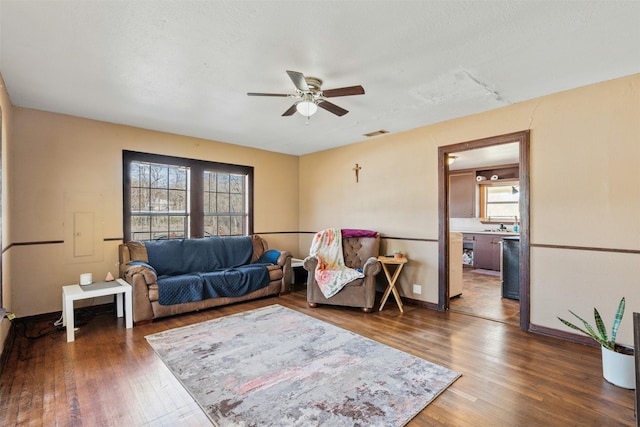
x=307, y=107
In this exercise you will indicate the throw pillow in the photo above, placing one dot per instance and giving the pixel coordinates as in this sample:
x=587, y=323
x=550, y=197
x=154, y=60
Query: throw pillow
x=269, y=257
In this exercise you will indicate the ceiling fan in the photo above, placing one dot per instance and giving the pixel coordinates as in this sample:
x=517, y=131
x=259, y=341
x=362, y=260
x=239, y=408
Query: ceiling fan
x=310, y=96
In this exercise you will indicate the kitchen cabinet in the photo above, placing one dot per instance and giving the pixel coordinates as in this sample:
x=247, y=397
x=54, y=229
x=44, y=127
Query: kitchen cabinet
x=462, y=195
x=487, y=251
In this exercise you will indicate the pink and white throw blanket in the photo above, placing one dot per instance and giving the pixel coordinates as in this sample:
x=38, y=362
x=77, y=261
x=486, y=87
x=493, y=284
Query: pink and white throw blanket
x=331, y=274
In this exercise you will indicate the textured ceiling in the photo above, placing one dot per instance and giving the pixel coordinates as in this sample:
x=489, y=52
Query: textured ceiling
x=185, y=66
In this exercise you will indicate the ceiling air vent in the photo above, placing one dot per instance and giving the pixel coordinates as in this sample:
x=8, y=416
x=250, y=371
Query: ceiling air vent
x=376, y=133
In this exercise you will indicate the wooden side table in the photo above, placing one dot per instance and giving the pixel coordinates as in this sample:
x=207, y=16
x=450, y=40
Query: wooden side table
x=399, y=263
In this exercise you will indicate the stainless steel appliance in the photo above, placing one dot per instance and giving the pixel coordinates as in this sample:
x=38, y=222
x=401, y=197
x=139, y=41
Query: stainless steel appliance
x=510, y=271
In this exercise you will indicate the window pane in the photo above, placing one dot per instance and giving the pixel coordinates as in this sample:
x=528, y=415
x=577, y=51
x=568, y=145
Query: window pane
x=135, y=175
x=177, y=227
x=237, y=226
x=140, y=226
x=177, y=201
x=237, y=203
x=222, y=183
x=206, y=180
x=210, y=226
x=177, y=178
x=502, y=194
x=506, y=210
x=206, y=203
x=159, y=200
x=224, y=226
x=143, y=169
x=135, y=199
x=222, y=203
x=145, y=200
x=236, y=184
x=159, y=176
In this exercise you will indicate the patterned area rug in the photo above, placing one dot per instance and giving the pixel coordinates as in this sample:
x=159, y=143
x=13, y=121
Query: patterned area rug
x=276, y=367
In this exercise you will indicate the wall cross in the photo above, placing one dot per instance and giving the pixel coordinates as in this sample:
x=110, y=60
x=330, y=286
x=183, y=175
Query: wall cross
x=357, y=170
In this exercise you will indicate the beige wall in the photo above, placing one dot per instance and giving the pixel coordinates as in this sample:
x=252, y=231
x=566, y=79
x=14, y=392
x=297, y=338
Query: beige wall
x=6, y=136
x=585, y=191
x=66, y=164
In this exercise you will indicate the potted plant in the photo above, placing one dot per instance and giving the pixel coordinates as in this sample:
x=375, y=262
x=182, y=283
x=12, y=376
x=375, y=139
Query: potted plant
x=398, y=254
x=618, y=362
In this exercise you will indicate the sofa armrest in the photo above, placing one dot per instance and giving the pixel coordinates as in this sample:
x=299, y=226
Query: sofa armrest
x=284, y=262
x=147, y=273
x=310, y=263
x=371, y=267
x=140, y=278
x=285, y=256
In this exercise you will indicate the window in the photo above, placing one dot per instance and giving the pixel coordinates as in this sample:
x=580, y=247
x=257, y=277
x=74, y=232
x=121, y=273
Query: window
x=500, y=202
x=224, y=204
x=172, y=198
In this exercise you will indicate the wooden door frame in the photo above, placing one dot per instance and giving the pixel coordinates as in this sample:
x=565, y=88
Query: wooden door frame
x=522, y=138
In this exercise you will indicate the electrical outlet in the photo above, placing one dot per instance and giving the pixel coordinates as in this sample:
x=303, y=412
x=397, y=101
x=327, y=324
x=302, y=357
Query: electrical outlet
x=417, y=289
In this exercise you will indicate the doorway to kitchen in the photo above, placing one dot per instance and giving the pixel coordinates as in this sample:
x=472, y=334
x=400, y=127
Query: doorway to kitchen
x=488, y=226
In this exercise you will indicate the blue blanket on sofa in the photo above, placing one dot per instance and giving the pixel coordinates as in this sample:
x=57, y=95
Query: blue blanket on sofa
x=195, y=269
x=232, y=282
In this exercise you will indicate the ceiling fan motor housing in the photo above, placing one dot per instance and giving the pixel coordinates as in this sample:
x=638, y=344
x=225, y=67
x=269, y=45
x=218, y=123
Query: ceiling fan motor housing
x=314, y=84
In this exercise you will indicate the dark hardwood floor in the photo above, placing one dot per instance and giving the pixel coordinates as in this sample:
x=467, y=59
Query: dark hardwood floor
x=482, y=297
x=110, y=376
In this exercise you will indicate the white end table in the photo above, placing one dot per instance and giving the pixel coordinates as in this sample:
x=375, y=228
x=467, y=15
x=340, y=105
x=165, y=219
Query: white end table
x=73, y=293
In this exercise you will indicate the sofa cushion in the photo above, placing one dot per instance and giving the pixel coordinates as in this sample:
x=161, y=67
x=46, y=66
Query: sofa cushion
x=179, y=289
x=166, y=256
x=235, y=282
x=226, y=252
x=137, y=251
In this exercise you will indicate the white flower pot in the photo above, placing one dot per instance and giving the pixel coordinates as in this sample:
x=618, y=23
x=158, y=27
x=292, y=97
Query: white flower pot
x=619, y=368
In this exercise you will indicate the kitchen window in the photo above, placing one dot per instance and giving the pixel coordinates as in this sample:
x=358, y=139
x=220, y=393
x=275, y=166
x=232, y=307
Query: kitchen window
x=168, y=197
x=500, y=202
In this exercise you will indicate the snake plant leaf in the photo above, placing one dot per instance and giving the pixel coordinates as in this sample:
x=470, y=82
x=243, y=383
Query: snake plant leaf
x=577, y=328
x=600, y=325
x=617, y=319
x=592, y=332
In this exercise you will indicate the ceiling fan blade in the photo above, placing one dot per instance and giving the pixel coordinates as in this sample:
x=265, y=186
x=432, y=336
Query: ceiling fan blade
x=291, y=111
x=332, y=108
x=343, y=91
x=284, y=95
x=298, y=80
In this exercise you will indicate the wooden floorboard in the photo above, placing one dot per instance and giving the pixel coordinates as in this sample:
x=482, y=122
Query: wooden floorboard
x=110, y=376
x=482, y=296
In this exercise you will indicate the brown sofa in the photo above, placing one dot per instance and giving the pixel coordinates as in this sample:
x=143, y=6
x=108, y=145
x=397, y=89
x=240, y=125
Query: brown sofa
x=360, y=252
x=143, y=278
